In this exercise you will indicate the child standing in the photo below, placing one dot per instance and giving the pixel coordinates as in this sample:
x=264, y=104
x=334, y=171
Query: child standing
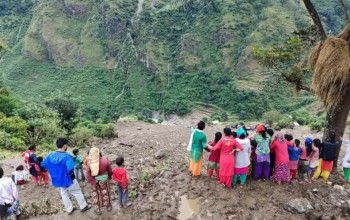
x=346, y=159
x=78, y=165
x=214, y=157
x=294, y=153
x=313, y=158
x=43, y=174
x=120, y=177
x=20, y=176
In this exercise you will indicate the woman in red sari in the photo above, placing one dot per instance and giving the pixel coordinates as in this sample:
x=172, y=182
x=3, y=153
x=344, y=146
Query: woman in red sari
x=227, y=146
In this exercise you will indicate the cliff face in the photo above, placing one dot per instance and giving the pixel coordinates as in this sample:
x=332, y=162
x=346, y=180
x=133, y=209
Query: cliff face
x=146, y=43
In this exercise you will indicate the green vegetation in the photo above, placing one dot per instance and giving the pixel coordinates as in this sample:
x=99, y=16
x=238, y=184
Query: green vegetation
x=88, y=64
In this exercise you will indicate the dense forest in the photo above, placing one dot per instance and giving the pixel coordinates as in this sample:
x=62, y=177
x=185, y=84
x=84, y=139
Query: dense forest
x=121, y=57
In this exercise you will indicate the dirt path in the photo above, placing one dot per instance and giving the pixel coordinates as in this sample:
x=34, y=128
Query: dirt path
x=157, y=165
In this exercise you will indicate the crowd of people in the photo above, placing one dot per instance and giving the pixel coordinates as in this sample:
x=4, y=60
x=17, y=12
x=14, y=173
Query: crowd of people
x=265, y=155
x=64, y=170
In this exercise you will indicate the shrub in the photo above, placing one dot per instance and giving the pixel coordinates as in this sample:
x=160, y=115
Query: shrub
x=316, y=125
x=303, y=117
x=285, y=122
x=224, y=116
x=205, y=119
x=81, y=136
x=215, y=116
x=107, y=131
x=271, y=117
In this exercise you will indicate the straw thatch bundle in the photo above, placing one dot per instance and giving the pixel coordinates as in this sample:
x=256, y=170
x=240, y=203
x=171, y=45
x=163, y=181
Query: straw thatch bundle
x=330, y=62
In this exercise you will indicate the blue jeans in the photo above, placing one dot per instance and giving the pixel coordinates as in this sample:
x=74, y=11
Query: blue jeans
x=13, y=210
x=76, y=173
x=122, y=196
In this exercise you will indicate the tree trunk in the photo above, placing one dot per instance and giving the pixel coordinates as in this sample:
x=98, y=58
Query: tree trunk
x=316, y=18
x=345, y=12
x=336, y=121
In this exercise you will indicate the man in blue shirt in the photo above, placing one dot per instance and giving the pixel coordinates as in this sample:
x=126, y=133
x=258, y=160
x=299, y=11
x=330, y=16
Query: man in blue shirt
x=61, y=167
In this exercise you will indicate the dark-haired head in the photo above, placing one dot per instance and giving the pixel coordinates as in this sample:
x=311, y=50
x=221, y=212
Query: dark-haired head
x=119, y=161
x=75, y=151
x=1, y=172
x=32, y=147
x=227, y=131
x=218, y=136
x=270, y=132
x=40, y=159
x=317, y=142
x=20, y=168
x=288, y=137
x=297, y=142
x=308, y=146
x=332, y=135
x=242, y=136
x=234, y=134
x=201, y=125
x=61, y=142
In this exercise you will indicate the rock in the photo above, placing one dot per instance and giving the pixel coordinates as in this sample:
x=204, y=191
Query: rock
x=160, y=154
x=139, y=128
x=338, y=187
x=312, y=216
x=296, y=124
x=300, y=205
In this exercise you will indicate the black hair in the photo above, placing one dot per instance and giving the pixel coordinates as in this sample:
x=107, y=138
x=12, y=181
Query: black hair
x=119, y=161
x=270, y=132
x=40, y=159
x=60, y=142
x=253, y=143
x=308, y=148
x=242, y=136
x=201, y=125
x=263, y=134
x=332, y=135
x=75, y=151
x=218, y=136
x=288, y=137
x=234, y=134
x=20, y=167
x=1, y=172
x=32, y=147
x=297, y=142
x=227, y=131
x=317, y=142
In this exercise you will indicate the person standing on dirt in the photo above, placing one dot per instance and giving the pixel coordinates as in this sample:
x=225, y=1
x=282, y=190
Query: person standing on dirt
x=197, y=143
x=281, y=172
x=214, y=157
x=227, y=146
x=303, y=163
x=346, y=159
x=98, y=173
x=262, y=151
x=26, y=154
x=34, y=169
x=242, y=157
x=328, y=154
x=60, y=165
x=9, y=203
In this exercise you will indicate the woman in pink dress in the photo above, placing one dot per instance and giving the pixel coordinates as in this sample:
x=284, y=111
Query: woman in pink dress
x=214, y=158
x=281, y=171
x=227, y=146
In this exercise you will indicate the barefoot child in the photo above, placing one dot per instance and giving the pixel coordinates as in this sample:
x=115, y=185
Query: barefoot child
x=214, y=157
x=120, y=177
x=313, y=158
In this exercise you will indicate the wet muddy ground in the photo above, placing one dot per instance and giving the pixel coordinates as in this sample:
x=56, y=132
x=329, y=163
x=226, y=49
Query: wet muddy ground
x=160, y=187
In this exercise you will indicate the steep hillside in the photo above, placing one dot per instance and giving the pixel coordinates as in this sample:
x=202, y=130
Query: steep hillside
x=125, y=56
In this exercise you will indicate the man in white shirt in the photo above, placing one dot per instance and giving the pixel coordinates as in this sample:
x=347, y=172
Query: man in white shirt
x=9, y=203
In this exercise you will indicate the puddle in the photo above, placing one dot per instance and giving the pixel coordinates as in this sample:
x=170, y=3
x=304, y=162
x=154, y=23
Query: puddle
x=188, y=207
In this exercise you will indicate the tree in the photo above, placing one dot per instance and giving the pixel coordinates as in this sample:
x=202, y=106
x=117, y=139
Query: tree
x=68, y=110
x=330, y=63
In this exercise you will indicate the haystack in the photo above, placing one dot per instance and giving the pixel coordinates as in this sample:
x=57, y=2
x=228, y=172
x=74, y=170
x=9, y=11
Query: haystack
x=330, y=62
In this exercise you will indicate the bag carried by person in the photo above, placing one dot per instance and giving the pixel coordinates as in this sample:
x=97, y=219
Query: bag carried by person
x=329, y=151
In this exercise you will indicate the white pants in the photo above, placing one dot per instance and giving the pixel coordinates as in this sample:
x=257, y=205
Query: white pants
x=74, y=190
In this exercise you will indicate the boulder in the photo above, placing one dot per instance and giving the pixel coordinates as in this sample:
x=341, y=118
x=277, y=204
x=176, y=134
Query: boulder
x=300, y=205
